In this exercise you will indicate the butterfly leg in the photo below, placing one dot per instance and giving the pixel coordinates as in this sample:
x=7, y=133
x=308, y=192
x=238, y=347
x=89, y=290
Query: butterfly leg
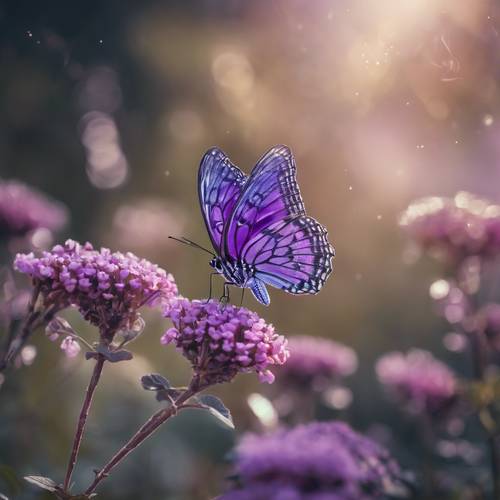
x=225, y=297
x=242, y=295
x=210, y=289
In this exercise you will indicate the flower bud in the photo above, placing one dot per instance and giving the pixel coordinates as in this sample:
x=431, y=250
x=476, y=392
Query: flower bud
x=70, y=347
x=58, y=327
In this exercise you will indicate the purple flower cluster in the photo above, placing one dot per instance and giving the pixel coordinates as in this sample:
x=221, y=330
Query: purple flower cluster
x=313, y=358
x=108, y=288
x=23, y=209
x=454, y=228
x=221, y=341
x=311, y=462
x=419, y=381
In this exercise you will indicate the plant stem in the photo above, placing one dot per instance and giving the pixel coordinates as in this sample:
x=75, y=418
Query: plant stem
x=427, y=440
x=14, y=343
x=32, y=322
x=495, y=465
x=84, y=412
x=478, y=354
x=141, y=435
x=479, y=361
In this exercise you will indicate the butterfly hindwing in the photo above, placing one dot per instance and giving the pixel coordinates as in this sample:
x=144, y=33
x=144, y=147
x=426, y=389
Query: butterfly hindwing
x=293, y=254
x=271, y=194
x=220, y=184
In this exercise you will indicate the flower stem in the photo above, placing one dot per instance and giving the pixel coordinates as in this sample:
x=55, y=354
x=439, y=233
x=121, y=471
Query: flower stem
x=495, y=465
x=478, y=354
x=31, y=323
x=427, y=440
x=141, y=435
x=15, y=342
x=479, y=361
x=84, y=412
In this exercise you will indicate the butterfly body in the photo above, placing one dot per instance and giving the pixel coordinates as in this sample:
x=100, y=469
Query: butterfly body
x=258, y=225
x=236, y=272
x=241, y=274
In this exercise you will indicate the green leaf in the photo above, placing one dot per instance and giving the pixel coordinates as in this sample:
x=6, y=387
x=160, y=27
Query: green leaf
x=42, y=482
x=117, y=356
x=217, y=408
x=169, y=395
x=155, y=382
x=111, y=356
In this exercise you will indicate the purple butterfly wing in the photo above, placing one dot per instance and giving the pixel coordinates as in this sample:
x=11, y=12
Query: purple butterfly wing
x=271, y=194
x=293, y=254
x=270, y=230
x=220, y=184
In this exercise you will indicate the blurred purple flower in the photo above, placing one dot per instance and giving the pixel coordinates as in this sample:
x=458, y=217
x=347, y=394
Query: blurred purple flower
x=417, y=380
x=488, y=319
x=451, y=302
x=454, y=228
x=314, y=358
x=279, y=491
x=312, y=462
x=108, y=288
x=135, y=225
x=23, y=209
x=221, y=341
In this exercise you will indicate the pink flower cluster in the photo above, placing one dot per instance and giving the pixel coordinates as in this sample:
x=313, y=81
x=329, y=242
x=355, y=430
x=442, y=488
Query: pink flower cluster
x=418, y=380
x=108, y=288
x=313, y=357
x=23, y=209
x=454, y=228
x=221, y=341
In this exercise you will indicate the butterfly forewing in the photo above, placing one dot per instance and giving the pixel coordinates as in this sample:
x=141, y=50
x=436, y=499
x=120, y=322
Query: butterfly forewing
x=220, y=184
x=270, y=195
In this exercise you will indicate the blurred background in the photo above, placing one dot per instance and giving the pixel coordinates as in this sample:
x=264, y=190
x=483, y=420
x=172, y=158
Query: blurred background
x=109, y=107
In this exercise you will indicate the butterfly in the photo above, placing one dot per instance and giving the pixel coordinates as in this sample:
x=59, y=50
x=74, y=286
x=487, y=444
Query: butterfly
x=259, y=228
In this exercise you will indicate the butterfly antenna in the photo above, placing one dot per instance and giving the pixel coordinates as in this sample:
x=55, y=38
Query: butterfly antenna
x=197, y=245
x=191, y=244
